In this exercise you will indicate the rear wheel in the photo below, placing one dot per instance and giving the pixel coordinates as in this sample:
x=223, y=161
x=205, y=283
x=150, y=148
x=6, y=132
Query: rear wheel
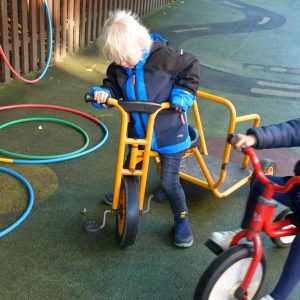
x=224, y=275
x=128, y=211
x=268, y=166
x=284, y=241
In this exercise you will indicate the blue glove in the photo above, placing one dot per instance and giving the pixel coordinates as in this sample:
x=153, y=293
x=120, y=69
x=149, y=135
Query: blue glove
x=98, y=89
x=182, y=99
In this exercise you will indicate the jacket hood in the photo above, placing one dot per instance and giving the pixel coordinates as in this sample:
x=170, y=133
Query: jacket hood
x=157, y=44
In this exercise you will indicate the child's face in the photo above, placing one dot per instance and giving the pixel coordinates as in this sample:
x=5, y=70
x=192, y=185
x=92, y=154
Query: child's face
x=129, y=63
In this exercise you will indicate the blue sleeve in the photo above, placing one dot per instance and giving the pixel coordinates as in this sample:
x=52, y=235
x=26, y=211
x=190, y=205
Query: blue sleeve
x=282, y=135
x=182, y=98
x=96, y=89
x=157, y=37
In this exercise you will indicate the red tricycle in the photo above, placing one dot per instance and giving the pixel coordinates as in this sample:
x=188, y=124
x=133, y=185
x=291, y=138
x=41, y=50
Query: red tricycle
x=238, y=273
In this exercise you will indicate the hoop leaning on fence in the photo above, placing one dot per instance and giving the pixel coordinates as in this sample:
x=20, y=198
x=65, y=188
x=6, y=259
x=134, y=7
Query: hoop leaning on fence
x=49, y=53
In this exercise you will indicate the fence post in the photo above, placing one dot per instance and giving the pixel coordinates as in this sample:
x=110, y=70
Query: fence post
x=42, y=35
x=88, y=25
x=24, y=37
x=33, y=36
x=5, y=72
x=105, y=9
x=76, y=24
x=57, y=29
x=64, y=19
x=82, y=23
x=99, y=18
x=14, y=35
x=94, y=21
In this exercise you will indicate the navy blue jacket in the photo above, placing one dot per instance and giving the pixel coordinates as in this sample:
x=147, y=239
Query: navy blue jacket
x=282, y=135
x=164, y=74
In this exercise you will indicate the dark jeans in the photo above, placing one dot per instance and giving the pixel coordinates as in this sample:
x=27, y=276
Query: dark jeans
x=290, y=275
x=170, y=181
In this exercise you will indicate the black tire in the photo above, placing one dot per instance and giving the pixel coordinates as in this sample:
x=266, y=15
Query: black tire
x=223, y=276
x=268, y=166
x=284, y=241
x=128, y=211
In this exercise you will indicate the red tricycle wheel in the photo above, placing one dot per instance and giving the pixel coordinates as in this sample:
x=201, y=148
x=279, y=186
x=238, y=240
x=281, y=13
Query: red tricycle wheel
x=284, y=241
x=222, y=278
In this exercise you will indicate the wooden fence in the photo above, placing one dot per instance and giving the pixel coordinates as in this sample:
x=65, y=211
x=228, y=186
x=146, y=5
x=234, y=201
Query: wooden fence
x=76, y=23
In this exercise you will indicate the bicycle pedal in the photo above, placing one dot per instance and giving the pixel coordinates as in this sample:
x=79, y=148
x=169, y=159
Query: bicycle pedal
x=213, y=247
x=91, y=227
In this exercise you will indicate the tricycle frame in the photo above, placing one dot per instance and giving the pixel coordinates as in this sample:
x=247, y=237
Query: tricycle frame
x=138, y=156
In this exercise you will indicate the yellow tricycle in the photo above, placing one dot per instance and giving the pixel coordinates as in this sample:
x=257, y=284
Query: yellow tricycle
x=220, y=176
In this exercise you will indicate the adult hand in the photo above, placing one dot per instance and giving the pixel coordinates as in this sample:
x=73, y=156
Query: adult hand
x=241, y=141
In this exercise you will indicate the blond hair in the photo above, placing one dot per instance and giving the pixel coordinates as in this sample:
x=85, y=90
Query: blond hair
x=123, y=37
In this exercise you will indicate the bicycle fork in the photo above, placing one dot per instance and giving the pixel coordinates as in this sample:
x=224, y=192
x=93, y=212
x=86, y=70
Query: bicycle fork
x=262, y=216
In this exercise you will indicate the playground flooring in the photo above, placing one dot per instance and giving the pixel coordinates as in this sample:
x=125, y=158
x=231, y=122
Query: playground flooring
x=249, y=54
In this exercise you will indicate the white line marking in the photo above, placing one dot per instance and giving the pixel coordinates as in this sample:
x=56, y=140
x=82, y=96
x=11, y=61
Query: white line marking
x=279, y=85
x=191, y=29
x=275, y=93
x=278, y=69
x=264, y=20
x=233, y=4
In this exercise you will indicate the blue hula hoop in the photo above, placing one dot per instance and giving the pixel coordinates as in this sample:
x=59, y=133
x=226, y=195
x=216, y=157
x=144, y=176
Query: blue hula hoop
x=50, y=40
x=29, y=206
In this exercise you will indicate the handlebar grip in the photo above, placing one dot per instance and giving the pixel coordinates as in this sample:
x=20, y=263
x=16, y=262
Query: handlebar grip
x=89, y=98
x=230, y=137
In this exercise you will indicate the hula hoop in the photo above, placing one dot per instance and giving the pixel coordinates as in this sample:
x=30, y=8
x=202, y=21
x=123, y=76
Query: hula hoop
x=53, y=160
x=49, y=52
x=29, y=206
x=12, y=154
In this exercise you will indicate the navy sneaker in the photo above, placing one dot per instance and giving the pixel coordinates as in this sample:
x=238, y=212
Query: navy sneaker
x=183, y=236
x=108, y=199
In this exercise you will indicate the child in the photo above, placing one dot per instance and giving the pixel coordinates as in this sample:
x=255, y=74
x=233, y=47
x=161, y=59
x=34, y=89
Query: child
x=274, y=136
x=145, y=68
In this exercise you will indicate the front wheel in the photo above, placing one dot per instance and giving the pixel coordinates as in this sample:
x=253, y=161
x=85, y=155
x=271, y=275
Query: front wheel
x=128, y=212
x=283, y=241
x=224, y=275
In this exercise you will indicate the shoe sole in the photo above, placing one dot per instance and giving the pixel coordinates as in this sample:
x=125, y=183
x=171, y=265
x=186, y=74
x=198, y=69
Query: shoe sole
x=216, y=249
x=107, y=202
x=213, y=247
x=184, y=245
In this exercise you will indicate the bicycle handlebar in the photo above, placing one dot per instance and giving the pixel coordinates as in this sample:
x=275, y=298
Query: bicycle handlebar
x=260, y=174
x=132, y=105
x=88, y=98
